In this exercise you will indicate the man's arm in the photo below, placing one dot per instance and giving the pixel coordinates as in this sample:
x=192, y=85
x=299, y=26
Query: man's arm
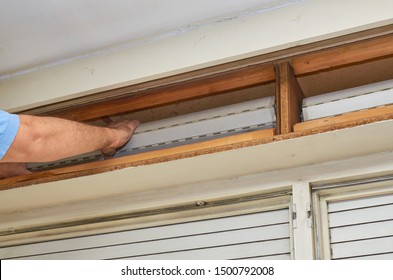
x=43, y=139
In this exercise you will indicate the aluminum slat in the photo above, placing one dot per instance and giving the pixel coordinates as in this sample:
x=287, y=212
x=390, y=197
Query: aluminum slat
x=360, y=203
x=204, y=125
x=194, y=243
x=231, y=252
x=388, y=256
x=260, y=219
x=363, y=231
x=364, y=215
x=201, y=128
x=363, y=247
x=351, y=104
x=347, y=93
x=262, y=103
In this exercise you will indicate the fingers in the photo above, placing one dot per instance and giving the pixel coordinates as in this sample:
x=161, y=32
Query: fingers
x=124, y=130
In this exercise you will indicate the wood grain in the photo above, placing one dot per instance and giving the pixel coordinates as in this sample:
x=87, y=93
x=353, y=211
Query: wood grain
x=289, y=96
x=386, y=112
x=343, y=55
x=234, y=80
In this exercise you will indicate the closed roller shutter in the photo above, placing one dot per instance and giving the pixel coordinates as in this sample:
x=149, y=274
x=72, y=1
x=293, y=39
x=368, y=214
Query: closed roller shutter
x=263, y=235
x=361, y=228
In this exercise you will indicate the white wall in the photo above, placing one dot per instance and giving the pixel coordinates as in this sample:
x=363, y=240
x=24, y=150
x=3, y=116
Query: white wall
x=301, y=23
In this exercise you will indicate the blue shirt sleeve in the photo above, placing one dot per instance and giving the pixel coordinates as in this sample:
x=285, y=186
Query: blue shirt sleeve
x=9, y=125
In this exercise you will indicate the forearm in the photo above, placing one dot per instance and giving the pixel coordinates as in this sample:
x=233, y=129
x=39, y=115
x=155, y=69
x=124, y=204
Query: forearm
x=41, y=139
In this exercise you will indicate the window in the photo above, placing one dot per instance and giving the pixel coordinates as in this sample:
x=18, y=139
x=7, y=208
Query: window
x=355, y=222
x=261, y=230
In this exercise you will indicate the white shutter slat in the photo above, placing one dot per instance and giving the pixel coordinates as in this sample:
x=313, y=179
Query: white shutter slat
x=360, y=203
x=349, y=104
x=152, y=233
x=286, y=256
x=364, y=215
x=348, y=100
x=361, y=227
x=230, y=252
x=177, y=244
x=220, y=232
x=363, y=231
x=388, y=256
x=362, y=247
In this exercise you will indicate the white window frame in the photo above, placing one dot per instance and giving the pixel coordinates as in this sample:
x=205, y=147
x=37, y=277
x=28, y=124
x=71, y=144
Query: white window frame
x=324, y=194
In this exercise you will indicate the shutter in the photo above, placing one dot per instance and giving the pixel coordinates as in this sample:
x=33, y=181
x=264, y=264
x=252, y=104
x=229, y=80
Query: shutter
x=361, y=228
x=262, y=235
x=205, y=125
x=348, y=100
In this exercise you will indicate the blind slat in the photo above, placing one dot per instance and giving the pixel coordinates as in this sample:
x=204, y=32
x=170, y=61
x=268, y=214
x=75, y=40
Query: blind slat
x=361, y=228
x=152, y=233
x=363, y=247
x=364, y=231
x=229, y=252
x=176, y=244
x=214, y=235
x=360, y=203
x=364, y=215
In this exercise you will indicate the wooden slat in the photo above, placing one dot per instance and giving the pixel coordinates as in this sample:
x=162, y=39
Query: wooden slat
x=188, y=90
x=359, y=117
x=343, y=55
x=289, y=98
x=195, y=149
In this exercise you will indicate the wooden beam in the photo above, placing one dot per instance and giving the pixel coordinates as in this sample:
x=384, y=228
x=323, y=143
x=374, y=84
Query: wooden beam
x=343, y=55
x=220, y=83
x=289, y=96
x=358, y=118
x=146, y=158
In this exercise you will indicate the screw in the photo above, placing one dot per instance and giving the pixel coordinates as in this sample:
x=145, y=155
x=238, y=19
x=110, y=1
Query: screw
x=200, y=203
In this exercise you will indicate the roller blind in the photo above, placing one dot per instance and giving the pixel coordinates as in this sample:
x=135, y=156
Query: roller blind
x=361, y=228
x=262, y=235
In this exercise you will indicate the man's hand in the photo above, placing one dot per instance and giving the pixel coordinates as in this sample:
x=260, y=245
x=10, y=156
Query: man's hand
x=123, y=131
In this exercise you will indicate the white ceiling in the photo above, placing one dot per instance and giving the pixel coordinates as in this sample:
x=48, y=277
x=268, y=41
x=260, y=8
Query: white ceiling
x=37, y=33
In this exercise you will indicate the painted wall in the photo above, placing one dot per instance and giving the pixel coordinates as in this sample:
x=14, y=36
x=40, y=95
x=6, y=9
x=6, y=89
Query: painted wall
x=305, y=22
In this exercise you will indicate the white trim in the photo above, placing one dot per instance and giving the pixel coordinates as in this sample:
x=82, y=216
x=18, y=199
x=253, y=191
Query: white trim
x=303, y=233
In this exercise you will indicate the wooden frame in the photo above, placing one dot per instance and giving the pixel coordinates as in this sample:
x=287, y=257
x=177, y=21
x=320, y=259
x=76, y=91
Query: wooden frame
x=289, y=98
x=198, y=88
x=349, y=119
x=357, y=52
x=288, y=95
